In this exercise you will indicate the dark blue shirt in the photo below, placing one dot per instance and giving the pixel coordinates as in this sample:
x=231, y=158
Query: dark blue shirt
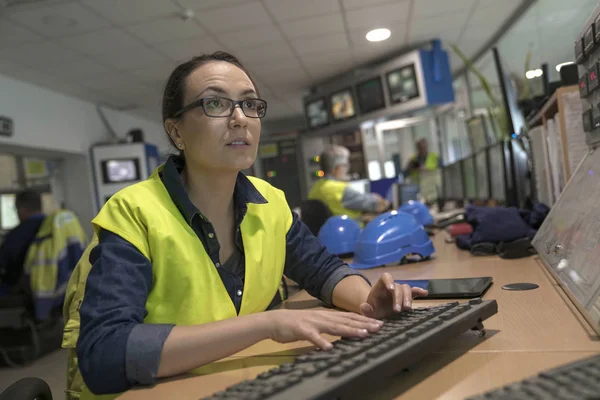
x=116, y=350
x=13, y=250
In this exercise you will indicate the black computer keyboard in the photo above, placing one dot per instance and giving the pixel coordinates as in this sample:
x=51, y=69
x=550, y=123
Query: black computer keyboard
x=576, y=381
x=354, y=363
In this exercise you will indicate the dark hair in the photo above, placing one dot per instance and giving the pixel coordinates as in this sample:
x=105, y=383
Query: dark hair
x=29, y=199
x=175, y=88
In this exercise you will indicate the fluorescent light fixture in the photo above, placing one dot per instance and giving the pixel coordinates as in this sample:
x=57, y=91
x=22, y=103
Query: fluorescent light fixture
x=559, y=66
x=534, y=73
x=378, y=35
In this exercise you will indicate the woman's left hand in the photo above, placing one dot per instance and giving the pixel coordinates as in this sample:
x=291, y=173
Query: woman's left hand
x=387, y=298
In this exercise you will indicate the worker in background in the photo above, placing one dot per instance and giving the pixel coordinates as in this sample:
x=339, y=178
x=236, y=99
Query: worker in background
x=187, y=262
x=424, y=160
x=13, y=249
x=334, y=191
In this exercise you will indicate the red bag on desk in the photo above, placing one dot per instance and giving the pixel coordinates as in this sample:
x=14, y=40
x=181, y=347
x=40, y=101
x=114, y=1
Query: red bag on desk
x=460, y=229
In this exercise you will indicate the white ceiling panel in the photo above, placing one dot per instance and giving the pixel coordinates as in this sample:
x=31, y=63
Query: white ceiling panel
x=101, y=42
x=314, y=26
x=447, y=27
x=84, y=69
x=354, y=4
x=133, y=58
x=487, y=11
x=429, y=8
x=208, y=4
x=167, y=29
x=234, y=18
x=251, y=37
x=155, y=73
x=183, y=50
x=60, y=20
x=12, y=34
x=127, y=11
x=268, y=68
x=321, y=44
x=40, y=54
x=263, y=54
x=289, y=10
x=378, y=16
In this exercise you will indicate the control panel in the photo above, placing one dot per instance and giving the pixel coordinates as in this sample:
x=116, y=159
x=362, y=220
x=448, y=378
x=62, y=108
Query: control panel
x=587, y=56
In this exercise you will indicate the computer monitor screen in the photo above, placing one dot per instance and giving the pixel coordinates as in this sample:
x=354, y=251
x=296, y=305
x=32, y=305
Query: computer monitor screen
x=316, y=113
x=468, y=171
x=360, y=185
x=370, y=95
x=403, y=84
x=8, y=212
x=477, y=133
x=483, y=187
x=122, y=170
x=496, y=155
x=342, y=105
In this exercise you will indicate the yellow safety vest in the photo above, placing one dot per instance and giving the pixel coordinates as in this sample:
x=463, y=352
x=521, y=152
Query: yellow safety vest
x=331, y=192
x=431, y=164
x=144, y=215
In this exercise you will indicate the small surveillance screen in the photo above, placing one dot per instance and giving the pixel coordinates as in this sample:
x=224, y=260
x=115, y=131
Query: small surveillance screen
x=370, y=95
x=342, y=105
x=316, y=113
x=403, y=84
x=119, y=171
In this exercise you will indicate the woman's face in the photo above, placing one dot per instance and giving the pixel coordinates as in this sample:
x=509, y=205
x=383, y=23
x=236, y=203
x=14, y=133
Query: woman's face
x=216, y=143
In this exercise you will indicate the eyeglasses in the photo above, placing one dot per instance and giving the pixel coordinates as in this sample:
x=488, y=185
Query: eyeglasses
x=222, y=107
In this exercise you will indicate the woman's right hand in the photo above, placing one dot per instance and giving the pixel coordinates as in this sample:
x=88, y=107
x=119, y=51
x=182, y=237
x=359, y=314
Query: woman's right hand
x=286, y=326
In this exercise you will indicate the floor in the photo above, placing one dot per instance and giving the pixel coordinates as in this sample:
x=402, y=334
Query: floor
x=52, y=368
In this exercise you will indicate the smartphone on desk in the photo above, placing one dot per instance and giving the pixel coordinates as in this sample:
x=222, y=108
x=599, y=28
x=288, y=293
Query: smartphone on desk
x=460, y=288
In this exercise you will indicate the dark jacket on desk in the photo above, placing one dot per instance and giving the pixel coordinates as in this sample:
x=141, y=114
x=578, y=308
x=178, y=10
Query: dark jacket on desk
x=496, y=225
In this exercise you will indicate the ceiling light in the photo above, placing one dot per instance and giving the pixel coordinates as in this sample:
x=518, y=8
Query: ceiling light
x=559, y=66
x=377, y=35
x=534, y=73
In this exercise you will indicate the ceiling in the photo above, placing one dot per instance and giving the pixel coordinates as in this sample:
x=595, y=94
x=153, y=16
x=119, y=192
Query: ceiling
x=120, y=52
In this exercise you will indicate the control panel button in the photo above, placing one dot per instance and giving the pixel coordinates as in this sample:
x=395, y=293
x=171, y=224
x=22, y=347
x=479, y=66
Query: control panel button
x=587, y=120
x=592, y=81
x=583, y=86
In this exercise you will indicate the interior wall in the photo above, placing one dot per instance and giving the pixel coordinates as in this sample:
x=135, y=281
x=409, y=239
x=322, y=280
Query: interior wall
x=49, y=122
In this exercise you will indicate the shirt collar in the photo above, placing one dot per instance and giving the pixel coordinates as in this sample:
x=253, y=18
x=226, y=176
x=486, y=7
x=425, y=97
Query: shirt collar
x=245, y=192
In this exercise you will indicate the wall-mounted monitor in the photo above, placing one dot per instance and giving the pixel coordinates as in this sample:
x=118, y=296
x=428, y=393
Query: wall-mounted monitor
x=342, y=105
x=403, y=84
x=370, y=95
x=121, y=170
x=316, y=113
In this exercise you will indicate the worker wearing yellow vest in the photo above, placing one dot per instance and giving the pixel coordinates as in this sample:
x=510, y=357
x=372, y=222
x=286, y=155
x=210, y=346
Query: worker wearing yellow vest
x=185, y=265
x=424, y=160
x=334, y=191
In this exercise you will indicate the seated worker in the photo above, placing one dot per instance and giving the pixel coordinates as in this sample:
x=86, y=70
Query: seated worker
x=334, y=191
x=424, y=160
x=188, y=261
x=13, y=249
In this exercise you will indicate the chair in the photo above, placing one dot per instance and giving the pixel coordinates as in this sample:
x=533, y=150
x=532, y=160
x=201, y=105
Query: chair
x=31, y=322
x=27, y=389
x=314, y=213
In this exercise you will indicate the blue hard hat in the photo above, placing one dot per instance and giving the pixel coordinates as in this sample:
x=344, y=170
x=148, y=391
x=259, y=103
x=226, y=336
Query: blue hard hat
x=417, y=210
x=339, y=234
x=389, y=238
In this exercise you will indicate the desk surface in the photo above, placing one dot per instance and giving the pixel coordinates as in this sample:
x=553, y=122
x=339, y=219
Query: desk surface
x=533, y=330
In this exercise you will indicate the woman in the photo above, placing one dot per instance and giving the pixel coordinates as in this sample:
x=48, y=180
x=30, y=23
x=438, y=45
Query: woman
x=197, y=244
